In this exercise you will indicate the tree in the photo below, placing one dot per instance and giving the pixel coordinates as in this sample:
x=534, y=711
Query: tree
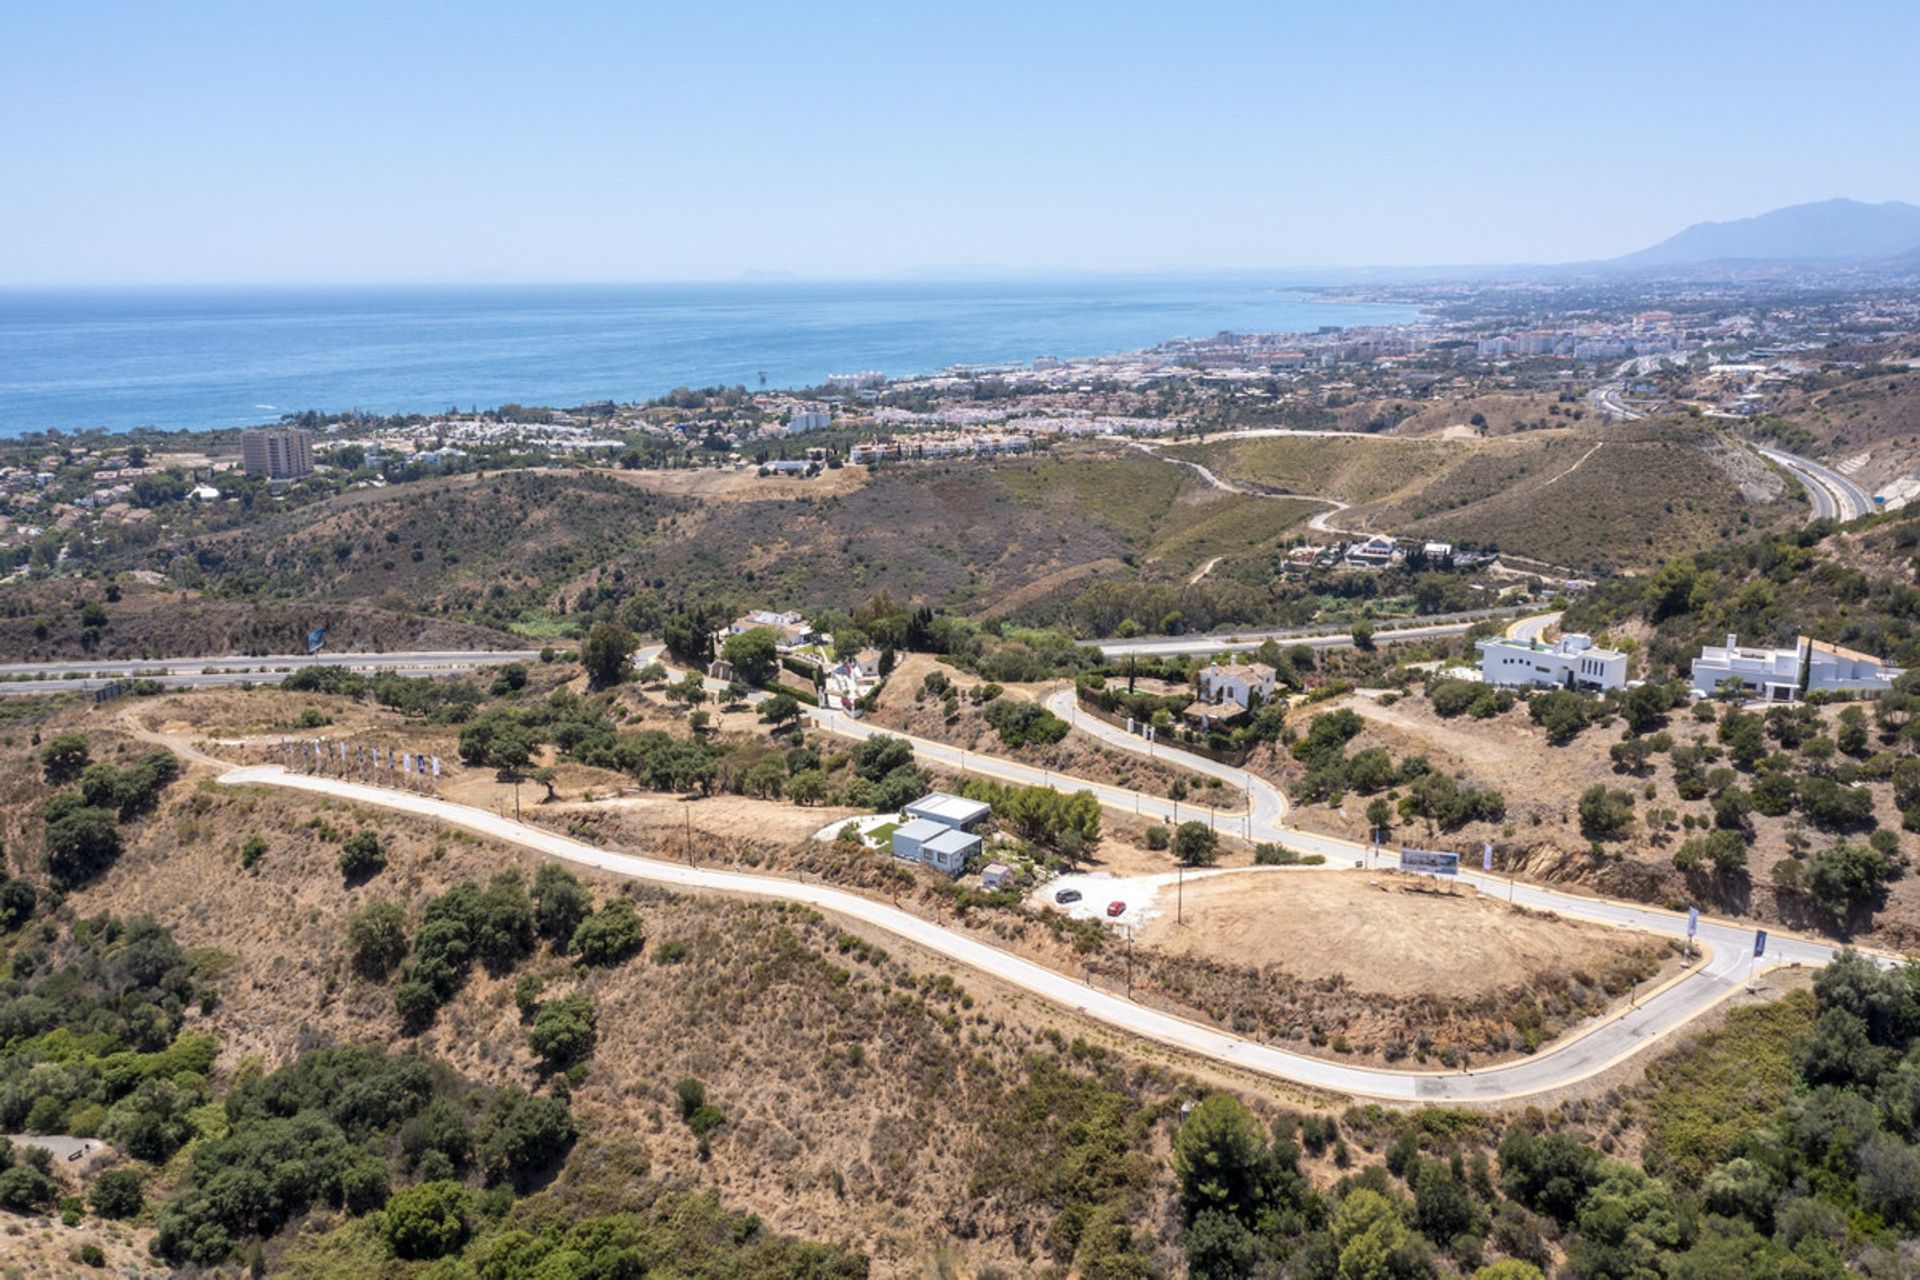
x=563, y=1031
x=1372, y=1241
x=1361, y=632
x=429, y=1220
x=520, y=1134
x=809, y=786
x=64, y=756
x=1846, y=876
x=81, y=840
x=1441, y=1209
x=116, y=1194
x=609, y=935
x=560, y=903
x=754, y=654
x=1509, y=1269
x=604, y=654
x=377, y=939
x=1195, y=844
x=1645, y=707
x=780, y=709
x=1561, y=712
x=1606, y=813
x=880, y=755
x=545, y=776
x=1220, y=1160
x=361, y=856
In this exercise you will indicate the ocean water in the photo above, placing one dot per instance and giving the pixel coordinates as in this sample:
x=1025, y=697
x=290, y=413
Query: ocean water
x=77, y=359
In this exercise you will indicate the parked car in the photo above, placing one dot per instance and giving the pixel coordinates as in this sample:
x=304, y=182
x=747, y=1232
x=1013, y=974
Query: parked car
x=1116, y=908
x=1066, y=896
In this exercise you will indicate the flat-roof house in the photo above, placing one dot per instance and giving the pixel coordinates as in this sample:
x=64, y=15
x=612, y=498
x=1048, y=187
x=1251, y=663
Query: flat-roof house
x=1376, y=552
x=1571, y=662
x=1236, y=682
x=949, y=810
x=936, y=844
x=1782, y=675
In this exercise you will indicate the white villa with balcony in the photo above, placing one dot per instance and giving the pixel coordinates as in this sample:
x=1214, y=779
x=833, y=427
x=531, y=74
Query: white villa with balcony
x=1571, y=662
x=1782, y=675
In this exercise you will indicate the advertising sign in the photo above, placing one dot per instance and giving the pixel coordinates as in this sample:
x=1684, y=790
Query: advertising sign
x=1430, y=862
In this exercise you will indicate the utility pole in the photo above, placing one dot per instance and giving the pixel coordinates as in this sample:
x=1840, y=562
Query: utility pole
x=689, y=839
x=1180, y=894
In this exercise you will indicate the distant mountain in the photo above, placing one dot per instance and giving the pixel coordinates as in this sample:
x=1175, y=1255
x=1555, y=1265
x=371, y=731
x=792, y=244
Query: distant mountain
x=1828, y=230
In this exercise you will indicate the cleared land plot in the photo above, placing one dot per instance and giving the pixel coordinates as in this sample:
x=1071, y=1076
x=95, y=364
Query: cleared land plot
x=1382, y=933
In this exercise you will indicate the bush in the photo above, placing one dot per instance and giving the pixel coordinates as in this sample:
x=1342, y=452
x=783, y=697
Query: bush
x=1020, y=722
x=361, y=856
x=116, y=1194
x=563, y=1031
x=1158, y=837
x=64, y=756
x=252, y=849
x=1605, y=812
x=1268, y=854
x=377, y=939
x=610, y=935
x=428, y=1221
x=81, y=840
x=1195, y=844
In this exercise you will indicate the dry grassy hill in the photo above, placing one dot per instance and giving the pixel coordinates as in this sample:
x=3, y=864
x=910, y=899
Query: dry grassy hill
x=1596, y=499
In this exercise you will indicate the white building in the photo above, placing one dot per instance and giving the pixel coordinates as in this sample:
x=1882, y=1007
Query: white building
x=1376, y=552
x=938, y=833
x=1237, y=683
x=278, y=453
x=1781, y=675
x=1572, y=662
x=808, y=417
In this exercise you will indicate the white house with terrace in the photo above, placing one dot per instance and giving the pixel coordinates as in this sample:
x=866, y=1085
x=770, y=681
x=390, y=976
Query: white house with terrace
x=1240, y=683
x=1783, y=675
x=1571, y=662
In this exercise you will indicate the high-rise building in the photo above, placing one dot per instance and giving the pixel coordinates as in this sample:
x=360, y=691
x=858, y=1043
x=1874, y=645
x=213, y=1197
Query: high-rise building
x=278, y=453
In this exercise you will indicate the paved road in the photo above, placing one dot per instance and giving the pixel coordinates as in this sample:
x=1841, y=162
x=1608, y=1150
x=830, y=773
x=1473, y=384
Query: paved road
x=1833, y=495
x=1243, y=641
x=193, y=673
x=1606, y=1044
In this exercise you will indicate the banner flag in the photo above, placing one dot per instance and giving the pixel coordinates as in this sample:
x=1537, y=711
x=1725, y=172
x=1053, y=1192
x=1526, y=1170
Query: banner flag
x=1486, y=856
x=1759, y=943
x=1693, y=921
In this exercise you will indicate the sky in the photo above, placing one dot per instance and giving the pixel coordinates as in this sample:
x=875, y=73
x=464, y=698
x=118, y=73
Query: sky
x=247, y=143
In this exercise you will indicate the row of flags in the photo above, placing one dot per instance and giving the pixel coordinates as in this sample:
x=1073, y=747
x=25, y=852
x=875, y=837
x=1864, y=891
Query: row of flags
x=323, y=751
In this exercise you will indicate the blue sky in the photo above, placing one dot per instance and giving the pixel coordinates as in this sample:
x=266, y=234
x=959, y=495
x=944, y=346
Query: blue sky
x=405, y=142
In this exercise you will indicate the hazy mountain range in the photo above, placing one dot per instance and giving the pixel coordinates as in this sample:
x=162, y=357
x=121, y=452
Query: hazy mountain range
x=1827, y=231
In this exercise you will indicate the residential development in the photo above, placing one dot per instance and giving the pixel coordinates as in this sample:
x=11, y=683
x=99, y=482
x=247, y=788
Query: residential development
x=1571, y=662
x=1783, y=675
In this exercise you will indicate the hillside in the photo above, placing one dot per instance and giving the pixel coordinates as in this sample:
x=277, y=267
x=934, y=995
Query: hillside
x=1590, y=499
x=1829, y=229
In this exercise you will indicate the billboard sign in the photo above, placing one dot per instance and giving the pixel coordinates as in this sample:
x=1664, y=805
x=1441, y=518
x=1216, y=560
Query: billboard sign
x=1430, y=862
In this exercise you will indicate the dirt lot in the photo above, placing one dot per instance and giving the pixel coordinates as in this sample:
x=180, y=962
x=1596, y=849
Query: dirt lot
x=1382, y=933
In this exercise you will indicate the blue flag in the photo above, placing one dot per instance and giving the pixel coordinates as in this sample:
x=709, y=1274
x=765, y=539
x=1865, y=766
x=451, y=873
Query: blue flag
x=316, y=638
x=1759, y=942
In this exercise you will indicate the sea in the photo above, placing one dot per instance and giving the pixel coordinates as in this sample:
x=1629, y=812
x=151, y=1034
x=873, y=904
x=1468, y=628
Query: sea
x=216, y=358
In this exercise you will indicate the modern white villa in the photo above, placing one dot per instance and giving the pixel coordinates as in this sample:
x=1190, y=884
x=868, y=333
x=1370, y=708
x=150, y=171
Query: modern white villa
x=1571, y=662
x=938, y=832
x=1782, y=675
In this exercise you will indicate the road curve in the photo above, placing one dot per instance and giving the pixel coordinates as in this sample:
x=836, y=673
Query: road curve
x=1832, y=494
x=1598, y=1049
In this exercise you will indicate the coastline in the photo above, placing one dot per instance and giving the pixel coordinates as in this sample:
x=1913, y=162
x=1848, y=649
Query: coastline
x=216, y=359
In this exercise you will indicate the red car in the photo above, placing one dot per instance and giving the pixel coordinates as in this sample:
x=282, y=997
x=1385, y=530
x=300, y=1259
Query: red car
x=1116, y=908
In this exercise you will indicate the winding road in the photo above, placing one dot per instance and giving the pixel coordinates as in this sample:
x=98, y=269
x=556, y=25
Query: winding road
x=1722, y=971
x=1834, y=497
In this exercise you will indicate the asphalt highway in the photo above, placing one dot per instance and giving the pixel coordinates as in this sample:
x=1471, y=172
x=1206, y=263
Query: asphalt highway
x=1833, y=495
